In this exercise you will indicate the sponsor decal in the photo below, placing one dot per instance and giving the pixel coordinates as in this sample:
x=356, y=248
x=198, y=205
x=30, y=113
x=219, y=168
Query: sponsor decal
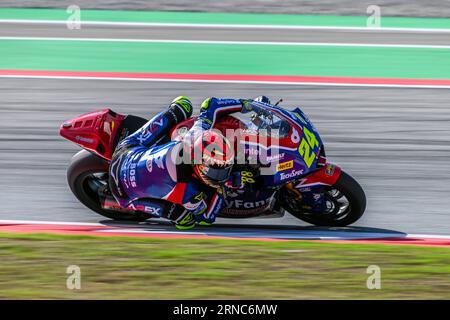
x=252, y=151
x=275, y=157
x=247, y=177
x=292, y=174
x=244, y=212
x=132, y=174
x=255, y=151
x=152, y=127
x=295, y=136
x=241, y=204
x=285, y=165
x=246, y=208
x=149, y=209
x=308, y=146
x=152, y=210
x=82, y=139
x=329, y=170
x=227, y=102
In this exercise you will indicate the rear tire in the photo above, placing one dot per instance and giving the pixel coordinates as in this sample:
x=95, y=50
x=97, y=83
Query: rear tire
x=346, y=186
x=80, y=176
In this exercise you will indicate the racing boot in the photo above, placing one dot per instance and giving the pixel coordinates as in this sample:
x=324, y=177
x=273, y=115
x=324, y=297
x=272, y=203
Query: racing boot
x=185, y=221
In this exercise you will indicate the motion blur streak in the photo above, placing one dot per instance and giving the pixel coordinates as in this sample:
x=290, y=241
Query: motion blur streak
x=394, y=141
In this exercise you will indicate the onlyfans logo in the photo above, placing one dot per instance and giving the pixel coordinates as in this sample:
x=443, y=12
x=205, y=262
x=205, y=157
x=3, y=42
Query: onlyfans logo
x=292, y=174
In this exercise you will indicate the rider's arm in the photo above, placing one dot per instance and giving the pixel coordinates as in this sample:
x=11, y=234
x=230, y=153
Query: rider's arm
x=212, y=108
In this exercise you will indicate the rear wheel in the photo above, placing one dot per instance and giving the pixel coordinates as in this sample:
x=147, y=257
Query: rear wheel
x=345, y=204
x=87, y=176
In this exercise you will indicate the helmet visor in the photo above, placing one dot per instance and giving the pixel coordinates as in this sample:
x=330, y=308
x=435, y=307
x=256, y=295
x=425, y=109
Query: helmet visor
x=217, y=174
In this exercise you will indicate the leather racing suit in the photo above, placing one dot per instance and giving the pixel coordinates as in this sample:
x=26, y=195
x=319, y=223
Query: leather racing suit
x=145, y=167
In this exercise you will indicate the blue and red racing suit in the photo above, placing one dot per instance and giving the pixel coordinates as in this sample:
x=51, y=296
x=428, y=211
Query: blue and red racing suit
x=145, y=167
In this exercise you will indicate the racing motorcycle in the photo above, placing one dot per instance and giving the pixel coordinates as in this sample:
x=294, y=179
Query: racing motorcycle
x=283, y=167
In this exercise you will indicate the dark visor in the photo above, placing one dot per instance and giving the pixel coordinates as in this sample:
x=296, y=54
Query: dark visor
x=218, y=174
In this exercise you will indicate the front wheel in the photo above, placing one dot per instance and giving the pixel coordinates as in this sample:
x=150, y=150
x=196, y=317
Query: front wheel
x=345, y=204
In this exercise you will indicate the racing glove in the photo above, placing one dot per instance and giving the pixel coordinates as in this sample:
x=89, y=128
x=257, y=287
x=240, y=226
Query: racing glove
x=208, y=216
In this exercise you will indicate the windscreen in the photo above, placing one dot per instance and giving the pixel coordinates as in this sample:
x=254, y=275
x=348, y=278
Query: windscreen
x=264, y=120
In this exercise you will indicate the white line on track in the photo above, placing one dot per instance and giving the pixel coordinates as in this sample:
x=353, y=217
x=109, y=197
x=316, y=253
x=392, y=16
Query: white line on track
x=224, y=42
x=330, y=84
x=227, y=26
x=56, y=223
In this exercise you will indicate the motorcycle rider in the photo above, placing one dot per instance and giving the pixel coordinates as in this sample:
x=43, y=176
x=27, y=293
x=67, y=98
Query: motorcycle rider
x=146, y=166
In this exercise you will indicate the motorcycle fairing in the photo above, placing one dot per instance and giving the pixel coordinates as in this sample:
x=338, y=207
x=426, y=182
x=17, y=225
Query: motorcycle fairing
x=238, y=204
x=325, y=176
x=94, y=131
x=100, y=131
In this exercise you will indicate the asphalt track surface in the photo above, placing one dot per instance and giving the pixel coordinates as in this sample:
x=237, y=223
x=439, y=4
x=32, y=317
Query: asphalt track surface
x=367, y=36
x=394, y=141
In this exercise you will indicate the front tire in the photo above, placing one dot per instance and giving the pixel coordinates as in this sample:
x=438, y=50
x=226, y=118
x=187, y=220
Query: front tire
x=87, y=173
x=345, y=188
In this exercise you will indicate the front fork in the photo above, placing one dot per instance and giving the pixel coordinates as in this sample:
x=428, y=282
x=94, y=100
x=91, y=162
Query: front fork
x=309, y=191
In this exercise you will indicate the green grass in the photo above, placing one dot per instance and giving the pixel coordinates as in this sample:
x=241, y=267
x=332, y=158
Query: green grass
x=34, y=266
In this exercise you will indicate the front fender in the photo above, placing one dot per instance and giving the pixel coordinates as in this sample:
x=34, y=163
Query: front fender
x=327, y=175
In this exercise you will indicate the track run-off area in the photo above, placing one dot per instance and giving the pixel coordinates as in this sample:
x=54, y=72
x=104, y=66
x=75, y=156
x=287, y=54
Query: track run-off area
x=378, y=96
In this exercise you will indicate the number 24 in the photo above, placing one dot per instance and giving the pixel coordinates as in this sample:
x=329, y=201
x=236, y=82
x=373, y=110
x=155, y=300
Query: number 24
x=309, y=141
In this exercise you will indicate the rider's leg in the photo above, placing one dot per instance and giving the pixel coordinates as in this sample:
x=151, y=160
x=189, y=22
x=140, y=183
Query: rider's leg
x=158, y=127
x=153, y=131
x=182, y=218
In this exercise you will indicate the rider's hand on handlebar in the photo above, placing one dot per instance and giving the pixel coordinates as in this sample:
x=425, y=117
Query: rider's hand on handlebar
x=212, y=108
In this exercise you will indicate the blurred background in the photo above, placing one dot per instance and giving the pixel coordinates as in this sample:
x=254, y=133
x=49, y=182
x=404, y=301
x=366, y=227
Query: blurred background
x=405, y=8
